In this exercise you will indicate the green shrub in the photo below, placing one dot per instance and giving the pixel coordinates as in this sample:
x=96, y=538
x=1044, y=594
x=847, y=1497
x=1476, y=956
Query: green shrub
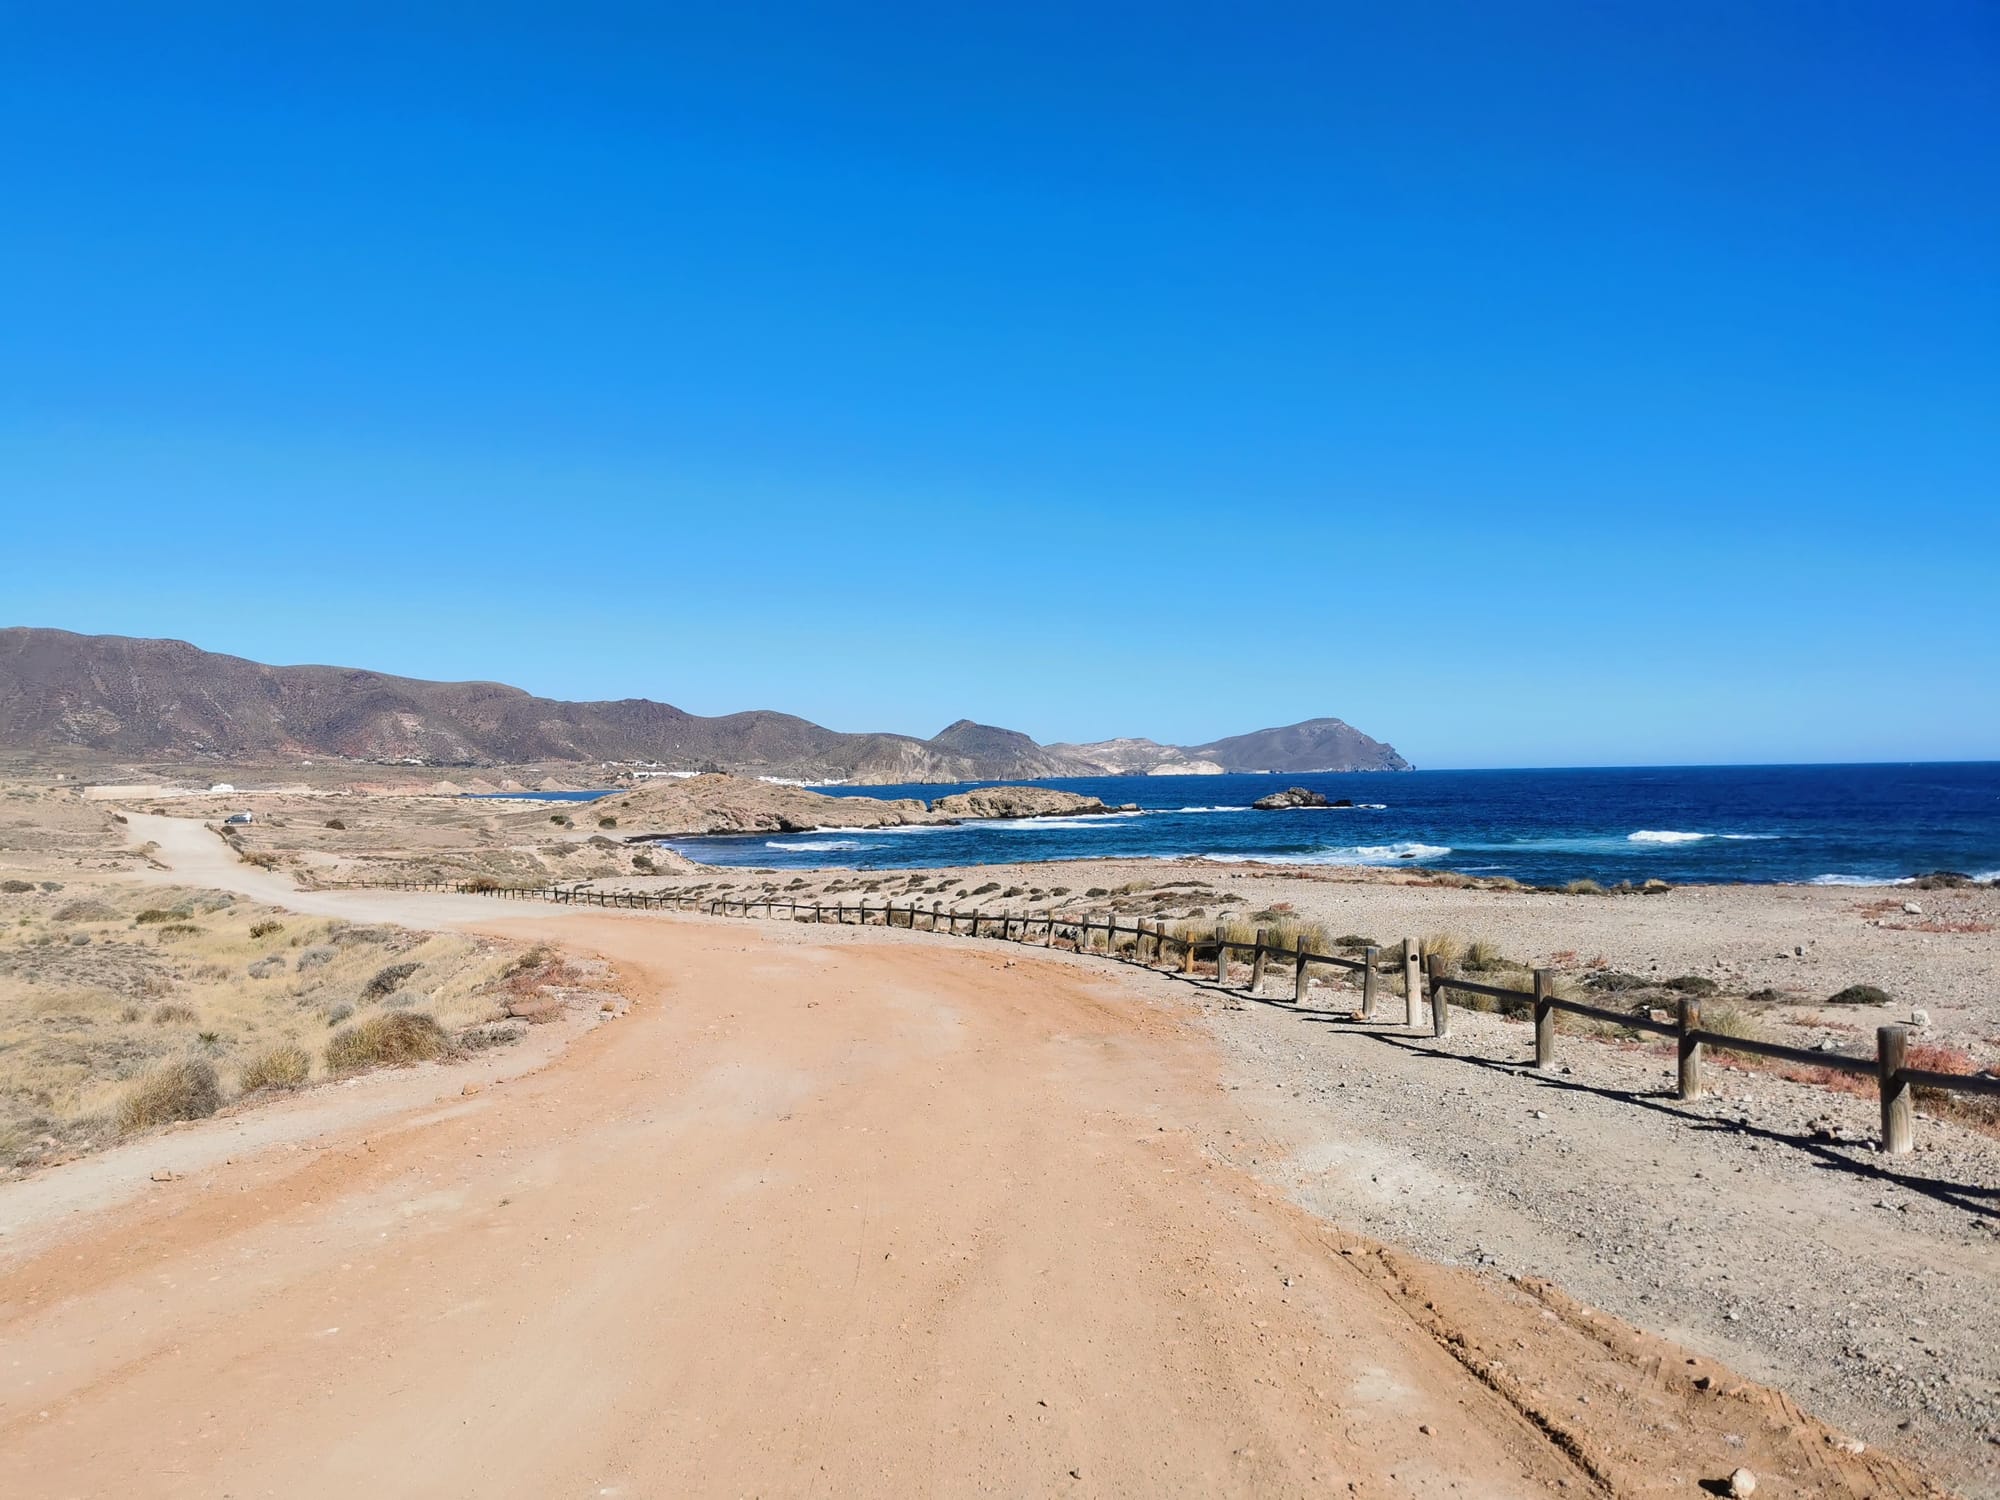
x=17, y=887
x=283, y=1066
x=265, y=928
x=157, y=914
x=336, y=825
x=182, y=1088
x=1861, y=994
x=391, y=1039
x=1583, y=888
x=607, y=822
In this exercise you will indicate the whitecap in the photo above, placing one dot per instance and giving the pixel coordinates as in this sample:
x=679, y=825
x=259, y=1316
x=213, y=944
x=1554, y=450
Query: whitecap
x=827, y=847
x=1858, y=880
x=1664, y=836
x=1211, y=809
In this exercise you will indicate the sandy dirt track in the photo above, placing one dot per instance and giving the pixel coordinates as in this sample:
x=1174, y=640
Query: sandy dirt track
x=827, y=1217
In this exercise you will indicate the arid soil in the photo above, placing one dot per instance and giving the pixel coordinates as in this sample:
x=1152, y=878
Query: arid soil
x=834, y=1211
x=829, y=1215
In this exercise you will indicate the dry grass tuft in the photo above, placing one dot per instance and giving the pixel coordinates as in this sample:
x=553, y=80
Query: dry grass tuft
x=286, y=1065
x=392, y=1039
x=181, y=1088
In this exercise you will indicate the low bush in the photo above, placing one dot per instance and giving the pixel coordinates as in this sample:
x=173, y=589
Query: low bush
x=1482, y=956
x=335, y=1014
x=385, y=980
x=561, y=820
x=85, y=910
x=1729, y=1020
x=269, y=964
x=182, y=1088
x=313, y=958
x=17, y=887
x=607, y=822
x=1444, y=946
x=265, y=928
x=177, y=930
x=336, y=825
x=1583, y=888
x=286, y=1065
x=392, y=1039
x=1693, y=985
x=174, y=1015
x=1861, y=994
x=154, y=914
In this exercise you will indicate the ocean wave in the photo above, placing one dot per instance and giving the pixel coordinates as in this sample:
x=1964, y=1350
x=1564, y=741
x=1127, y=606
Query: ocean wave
x=1987, y=877
x=1209, y=809
x=1035, y=825
x=1357, y=854
x=827, y=847
x=1663, y=836
x=1858, y=880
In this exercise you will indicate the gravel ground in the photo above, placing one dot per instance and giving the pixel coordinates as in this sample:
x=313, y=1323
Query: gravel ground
x=1759, y=1226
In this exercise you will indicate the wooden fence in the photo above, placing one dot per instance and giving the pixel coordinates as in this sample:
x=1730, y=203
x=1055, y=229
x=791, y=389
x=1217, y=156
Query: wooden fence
x=1425, y=988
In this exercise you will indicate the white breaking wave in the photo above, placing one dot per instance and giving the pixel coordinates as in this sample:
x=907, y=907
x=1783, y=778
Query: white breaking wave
x=1857, y=880
x=1212, y=809
x=1664, y=836
x=828, y=846
x=1988, y=877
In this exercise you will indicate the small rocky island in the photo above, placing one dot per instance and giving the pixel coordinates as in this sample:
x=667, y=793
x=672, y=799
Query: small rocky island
x=1297, y=796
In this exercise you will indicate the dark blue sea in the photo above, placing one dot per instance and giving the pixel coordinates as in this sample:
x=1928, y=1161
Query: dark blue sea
x=1861, y=825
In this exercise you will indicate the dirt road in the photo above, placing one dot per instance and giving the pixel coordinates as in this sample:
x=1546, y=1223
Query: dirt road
x=827, y=1217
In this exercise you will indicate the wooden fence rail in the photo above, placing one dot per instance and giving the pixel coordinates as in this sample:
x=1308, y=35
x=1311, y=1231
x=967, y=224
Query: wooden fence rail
x=1426, y=988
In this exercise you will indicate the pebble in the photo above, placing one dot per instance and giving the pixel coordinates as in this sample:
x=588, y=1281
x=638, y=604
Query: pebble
x=1742, y=1483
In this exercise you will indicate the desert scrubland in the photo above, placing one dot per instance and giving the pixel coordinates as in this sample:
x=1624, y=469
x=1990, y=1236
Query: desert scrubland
x=976, y=1216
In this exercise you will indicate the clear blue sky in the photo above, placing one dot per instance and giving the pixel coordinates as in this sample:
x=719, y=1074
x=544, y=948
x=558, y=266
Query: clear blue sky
x=1527, y=384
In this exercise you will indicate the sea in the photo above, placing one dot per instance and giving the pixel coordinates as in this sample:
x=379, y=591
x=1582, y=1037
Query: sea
x=1829, y=825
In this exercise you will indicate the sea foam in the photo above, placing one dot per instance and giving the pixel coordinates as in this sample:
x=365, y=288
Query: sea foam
x=1664, y=836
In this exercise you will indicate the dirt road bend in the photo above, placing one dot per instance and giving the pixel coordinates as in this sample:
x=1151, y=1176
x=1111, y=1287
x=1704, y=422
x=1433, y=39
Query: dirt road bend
x=828, y=1217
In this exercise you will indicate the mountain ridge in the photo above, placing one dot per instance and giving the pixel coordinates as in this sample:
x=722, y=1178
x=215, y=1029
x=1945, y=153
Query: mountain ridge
x=141, y=696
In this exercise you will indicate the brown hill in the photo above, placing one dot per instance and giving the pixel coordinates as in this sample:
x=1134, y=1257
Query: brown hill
x=118, y=695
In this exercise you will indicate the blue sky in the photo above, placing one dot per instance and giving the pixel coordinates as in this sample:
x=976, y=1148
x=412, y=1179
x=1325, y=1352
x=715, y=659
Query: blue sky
x=1527, y=384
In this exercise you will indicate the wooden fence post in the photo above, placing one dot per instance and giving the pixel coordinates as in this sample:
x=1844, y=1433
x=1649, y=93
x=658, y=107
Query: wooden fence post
x=1221, y=956
x=1370, y=957
x=1690, y=1049
x=1892, y=1044
x=1049, y=941
x=1299, y=974
x=1187, y=952
x=1413, y=981
x=1257, y=964
x=1545, y=1021
x=1440, y=1000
